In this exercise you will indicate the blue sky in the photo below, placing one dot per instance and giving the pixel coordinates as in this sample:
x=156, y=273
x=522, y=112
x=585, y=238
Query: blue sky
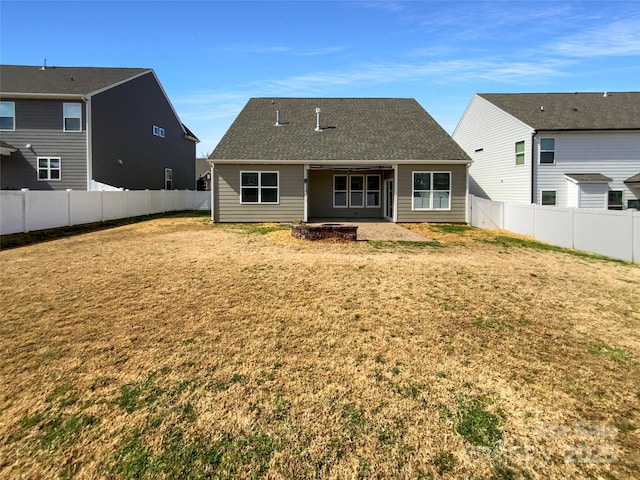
x=212, y=56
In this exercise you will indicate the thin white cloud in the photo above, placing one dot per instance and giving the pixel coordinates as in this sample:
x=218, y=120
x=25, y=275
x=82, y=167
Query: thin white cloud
x=620, y=38
x=439, y=72
x=251, y=49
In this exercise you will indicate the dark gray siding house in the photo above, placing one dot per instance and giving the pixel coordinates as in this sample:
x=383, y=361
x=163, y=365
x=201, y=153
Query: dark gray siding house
x=91, y=128
x=288, y=159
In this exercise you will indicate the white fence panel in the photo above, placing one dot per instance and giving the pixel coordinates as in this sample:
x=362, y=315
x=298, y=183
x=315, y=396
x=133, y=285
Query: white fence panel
x=553, y=225
x=605, y=232
x=46, y=210
x=137, y=203
x=11, y=212
x=114, y=205
x=156, y=201
x=85, y=207
x=485, y=213
x=202, y=201
x=28, y=210
x=519, y=218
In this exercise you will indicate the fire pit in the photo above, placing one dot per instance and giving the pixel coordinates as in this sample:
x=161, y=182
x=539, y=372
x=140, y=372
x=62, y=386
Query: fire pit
x=324, y=231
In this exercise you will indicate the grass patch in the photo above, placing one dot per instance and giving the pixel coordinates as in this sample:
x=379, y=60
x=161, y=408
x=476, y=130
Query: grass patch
x=179, y=456
x=400, y=245
x=137, y=395
x=517, y=242
x=259, y=228
x=615, y=354
x=477, y=425
x=450, y=228
x=445, y=462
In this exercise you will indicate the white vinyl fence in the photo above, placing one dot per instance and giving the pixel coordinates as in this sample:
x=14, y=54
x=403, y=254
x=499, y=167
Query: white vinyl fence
x=29, y=210
x=611, y=233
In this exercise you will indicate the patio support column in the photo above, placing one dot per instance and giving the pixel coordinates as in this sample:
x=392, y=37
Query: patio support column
x=306, y=188
x=395, y=192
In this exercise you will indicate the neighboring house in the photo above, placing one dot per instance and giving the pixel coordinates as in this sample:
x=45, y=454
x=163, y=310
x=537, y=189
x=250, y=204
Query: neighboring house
x=91, y=128
x=287, y=159
x=564, y=149
x=203, y=174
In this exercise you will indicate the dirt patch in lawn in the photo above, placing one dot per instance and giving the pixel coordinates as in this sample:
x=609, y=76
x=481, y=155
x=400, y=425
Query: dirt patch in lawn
x=179, y=348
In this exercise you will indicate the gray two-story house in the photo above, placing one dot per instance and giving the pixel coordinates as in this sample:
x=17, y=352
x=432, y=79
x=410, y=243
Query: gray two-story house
x=90, y=129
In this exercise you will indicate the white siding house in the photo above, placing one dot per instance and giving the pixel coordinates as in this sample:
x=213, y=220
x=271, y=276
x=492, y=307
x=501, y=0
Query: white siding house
x=569, y=150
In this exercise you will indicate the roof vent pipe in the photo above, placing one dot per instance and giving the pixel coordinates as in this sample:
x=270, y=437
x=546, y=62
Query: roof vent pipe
x=542, y=108
x=277, y=124
x=44, y=66
x=606, y=94
x=318, y=128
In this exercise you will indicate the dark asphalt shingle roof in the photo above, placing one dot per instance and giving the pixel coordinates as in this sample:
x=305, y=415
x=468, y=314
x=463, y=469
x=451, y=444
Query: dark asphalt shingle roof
x=634, y=179
x=61, y=80
x=358, y=129
x=588, y=177
x=571, y=111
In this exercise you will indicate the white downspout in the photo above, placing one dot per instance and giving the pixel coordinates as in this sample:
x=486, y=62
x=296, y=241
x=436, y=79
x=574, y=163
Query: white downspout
x=213, y=197
x=89, y=143
x=395, y=193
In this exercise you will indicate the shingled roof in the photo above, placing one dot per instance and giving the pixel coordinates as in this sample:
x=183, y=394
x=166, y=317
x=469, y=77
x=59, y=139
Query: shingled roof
x=572, y=111
x=20, y=79
x=353, y=129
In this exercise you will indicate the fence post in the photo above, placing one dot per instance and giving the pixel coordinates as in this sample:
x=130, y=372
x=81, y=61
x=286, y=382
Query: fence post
x=25, y=194
x=69, y=223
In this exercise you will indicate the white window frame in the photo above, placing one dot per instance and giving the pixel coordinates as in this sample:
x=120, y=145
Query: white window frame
x=431, y=190
x=161, y=132
x=168, y=178
x=522, y=154
x=261, y=187
x=555, y=192
x=346, y=191
x=65, y=117
x=13, y=116
x=49, y=169
x=541, y=151
x=378, y=191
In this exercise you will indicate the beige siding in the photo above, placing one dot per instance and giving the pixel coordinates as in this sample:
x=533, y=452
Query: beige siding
x=227, y=195
x=457, y=214
x=320, y=195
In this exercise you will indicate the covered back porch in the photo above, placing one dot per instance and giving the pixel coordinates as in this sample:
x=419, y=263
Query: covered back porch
x=349, y=193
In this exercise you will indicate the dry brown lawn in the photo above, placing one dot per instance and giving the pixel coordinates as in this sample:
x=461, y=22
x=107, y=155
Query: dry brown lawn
x=175, y=348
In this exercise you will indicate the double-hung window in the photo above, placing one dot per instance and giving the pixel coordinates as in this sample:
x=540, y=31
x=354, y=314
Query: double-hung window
x=373, y=191
x=340, y=191
x=356, y=194
x=7, y=116
x=547, y=151
x=72, y=113
x=259, y=187
x=520, y=153
x=49, y=168
x=431, y=191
